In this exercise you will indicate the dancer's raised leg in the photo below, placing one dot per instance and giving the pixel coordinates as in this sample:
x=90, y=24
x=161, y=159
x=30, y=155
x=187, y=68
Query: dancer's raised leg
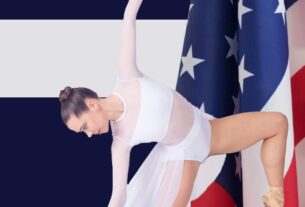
x=237, y=132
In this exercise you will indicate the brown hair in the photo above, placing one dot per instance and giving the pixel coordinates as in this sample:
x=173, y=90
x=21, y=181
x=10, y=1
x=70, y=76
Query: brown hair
x=73, y=101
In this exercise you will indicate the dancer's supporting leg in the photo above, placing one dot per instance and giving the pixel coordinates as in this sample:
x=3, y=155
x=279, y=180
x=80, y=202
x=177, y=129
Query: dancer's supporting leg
x=238, y=132
x=189, y=174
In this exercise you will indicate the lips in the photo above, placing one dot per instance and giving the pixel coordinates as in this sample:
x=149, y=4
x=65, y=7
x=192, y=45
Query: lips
x=97, y=132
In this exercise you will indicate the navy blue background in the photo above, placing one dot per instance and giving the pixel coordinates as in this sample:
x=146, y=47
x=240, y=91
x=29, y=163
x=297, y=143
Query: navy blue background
x=91, y=9
x=43, y=163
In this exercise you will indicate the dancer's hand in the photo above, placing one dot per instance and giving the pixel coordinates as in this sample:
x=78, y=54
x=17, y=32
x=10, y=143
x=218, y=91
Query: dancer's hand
x=132, y=9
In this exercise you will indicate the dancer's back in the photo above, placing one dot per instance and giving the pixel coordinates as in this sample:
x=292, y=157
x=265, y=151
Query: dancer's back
x=153, y=112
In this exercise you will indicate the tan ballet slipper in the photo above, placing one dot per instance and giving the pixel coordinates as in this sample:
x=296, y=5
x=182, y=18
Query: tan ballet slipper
x=274, y=197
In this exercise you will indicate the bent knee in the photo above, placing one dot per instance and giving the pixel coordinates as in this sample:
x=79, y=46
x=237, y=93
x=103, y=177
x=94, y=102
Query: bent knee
x=281, y=121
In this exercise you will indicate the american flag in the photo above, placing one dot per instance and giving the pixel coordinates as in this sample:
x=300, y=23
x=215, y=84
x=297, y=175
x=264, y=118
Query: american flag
x=235, y=59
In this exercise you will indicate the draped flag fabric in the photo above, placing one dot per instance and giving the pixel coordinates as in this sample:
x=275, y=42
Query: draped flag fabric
x=235, y=59
x=264, y=76
x=296, y=36
x=208, y=78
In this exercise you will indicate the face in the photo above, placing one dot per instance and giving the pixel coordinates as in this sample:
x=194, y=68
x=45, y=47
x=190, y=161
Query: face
x=91, y=122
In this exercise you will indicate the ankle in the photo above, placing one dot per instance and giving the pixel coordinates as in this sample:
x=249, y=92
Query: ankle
x=274, y=197
x=277, y=189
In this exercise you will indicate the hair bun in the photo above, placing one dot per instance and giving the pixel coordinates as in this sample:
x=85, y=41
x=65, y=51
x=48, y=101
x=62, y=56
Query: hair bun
x=65, y=94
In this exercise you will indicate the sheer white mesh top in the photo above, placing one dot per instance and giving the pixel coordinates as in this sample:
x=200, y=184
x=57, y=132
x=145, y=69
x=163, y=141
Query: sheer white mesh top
x=153, y=112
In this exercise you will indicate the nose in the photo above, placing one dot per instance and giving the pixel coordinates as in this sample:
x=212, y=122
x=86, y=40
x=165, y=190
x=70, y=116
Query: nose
x=89, y=134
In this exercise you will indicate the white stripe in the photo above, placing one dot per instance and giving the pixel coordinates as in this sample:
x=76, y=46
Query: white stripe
x=38, y=58
x=296, y=32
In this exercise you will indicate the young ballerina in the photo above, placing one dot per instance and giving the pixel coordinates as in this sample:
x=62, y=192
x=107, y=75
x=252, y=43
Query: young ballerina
x=141, y=110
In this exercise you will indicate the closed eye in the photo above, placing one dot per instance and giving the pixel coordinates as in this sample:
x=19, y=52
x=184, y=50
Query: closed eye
x=84, y=127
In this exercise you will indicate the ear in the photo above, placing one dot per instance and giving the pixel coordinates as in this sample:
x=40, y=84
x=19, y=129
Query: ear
x=92, y=104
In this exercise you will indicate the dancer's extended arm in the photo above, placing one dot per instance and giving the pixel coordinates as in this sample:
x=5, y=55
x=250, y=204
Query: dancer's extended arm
x=127, y=66
x=120, y=152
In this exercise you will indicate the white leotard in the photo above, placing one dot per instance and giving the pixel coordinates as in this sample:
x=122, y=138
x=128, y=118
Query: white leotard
x=153, y=112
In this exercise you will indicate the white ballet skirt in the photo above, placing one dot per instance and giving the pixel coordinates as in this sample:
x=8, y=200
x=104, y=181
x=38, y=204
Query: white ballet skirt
x=157, y=181
x=154, y=112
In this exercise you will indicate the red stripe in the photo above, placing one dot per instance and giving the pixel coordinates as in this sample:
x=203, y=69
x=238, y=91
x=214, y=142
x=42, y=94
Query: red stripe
x=211, y=197
x=298, y=104
x=290, y=185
